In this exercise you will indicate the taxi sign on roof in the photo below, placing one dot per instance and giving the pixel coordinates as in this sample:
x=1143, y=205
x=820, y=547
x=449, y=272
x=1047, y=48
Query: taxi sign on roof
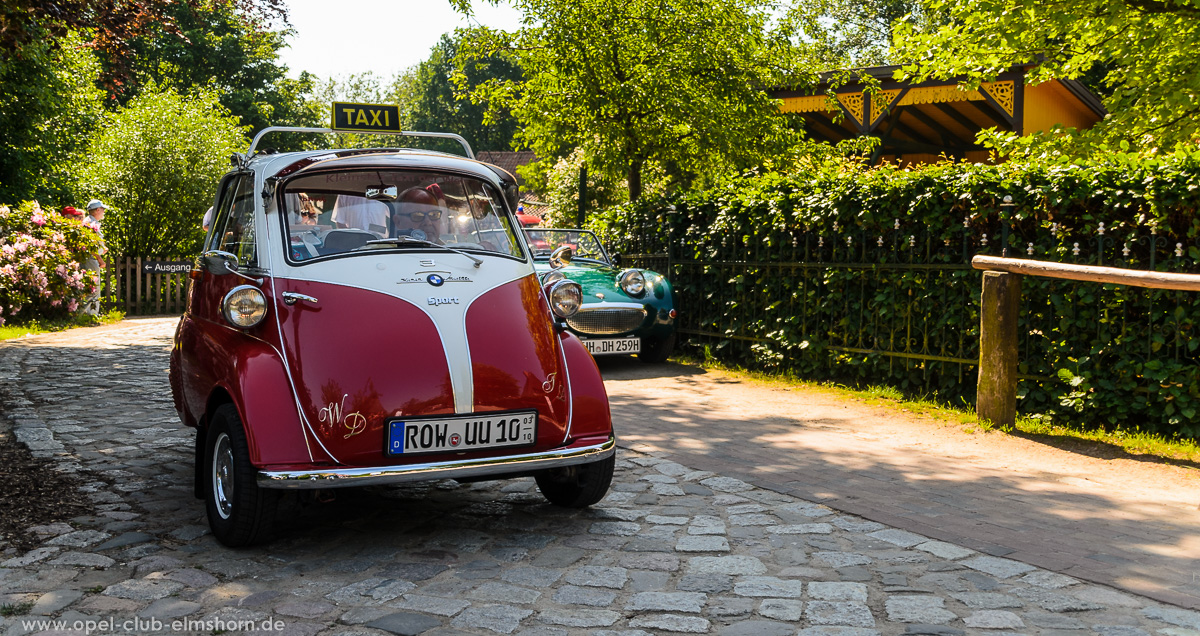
x=366, y=117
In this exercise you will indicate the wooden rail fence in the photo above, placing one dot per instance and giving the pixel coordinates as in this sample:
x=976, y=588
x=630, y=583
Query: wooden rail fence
x=996, y=397
x=146, y=286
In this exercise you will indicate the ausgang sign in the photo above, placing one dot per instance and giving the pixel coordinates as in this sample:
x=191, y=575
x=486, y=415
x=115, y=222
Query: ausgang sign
x=366, y=117
x=166, y=267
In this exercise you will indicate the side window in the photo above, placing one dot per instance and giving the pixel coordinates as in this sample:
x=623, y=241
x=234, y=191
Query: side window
x=225, y=194
x=234, y=231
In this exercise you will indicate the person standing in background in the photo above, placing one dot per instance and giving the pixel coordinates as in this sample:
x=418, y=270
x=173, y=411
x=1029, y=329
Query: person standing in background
x=94, y=262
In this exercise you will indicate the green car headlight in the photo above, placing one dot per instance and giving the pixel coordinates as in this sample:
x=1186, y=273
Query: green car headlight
x=632, y=281
x=566, y=297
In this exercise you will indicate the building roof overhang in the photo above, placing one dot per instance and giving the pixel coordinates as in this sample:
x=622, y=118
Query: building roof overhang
x=937, y=116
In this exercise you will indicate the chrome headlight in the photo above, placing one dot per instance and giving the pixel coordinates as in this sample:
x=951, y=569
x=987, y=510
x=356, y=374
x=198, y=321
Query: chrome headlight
x=552, y=277
x=561, y=257
x=632, y=281
x=244, y=306
x=565, y=298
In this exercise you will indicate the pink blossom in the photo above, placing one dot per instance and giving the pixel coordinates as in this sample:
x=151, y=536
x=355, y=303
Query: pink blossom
x=38, y=218
x=56, y=302
x=72, y=305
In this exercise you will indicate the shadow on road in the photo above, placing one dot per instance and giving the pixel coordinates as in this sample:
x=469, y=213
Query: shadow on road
x=851, y=458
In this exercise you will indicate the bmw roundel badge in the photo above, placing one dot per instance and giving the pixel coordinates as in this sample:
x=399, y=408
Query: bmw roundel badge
x=435, y=280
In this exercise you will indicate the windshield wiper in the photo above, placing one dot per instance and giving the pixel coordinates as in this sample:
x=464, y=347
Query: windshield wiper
x=406, y=240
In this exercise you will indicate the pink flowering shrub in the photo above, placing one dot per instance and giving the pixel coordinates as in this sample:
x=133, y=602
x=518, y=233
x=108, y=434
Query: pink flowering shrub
x=41, y=263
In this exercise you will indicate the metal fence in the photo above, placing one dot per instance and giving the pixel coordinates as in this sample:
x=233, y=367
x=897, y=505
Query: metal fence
x=901, y=306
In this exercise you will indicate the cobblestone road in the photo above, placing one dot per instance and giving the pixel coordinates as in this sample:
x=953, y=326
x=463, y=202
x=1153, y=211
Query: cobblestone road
x=670, y=550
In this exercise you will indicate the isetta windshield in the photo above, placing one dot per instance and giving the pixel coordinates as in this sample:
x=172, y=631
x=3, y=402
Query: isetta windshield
x=355, y=212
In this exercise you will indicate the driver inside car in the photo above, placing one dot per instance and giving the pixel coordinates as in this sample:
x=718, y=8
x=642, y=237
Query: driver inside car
x=417, y=215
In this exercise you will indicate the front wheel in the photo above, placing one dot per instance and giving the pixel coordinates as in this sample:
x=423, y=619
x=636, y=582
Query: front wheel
x=657, y=350
x=239, y=512
x=577, y=486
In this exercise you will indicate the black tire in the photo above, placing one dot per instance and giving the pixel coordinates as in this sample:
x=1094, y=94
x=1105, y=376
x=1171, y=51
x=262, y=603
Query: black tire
x=577, y=486
x=656, y=351
x=239, y=512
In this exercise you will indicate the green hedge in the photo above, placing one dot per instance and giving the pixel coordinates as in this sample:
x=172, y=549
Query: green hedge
x=862, y=275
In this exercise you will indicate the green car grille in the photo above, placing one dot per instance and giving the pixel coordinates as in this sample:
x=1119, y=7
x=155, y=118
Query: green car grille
x=603, y=321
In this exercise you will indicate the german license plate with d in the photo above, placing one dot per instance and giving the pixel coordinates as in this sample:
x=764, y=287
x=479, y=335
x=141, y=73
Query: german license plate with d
x=613, y=346
x=461, y=433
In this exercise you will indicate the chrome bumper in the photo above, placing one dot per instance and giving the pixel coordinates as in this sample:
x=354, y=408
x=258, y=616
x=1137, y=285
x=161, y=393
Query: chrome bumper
x=512, y=464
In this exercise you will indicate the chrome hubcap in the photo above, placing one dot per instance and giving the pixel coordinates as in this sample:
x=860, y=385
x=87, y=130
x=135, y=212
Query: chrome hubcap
x=222, y=476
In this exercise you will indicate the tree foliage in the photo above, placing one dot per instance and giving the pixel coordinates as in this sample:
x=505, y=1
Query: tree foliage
x=113, y=25
x=220, y=47
x=157, y=162
x=49, y=104
x=837, y=272
x=365, y=88
x=678, y=83
x=838, y=34
x=1147, y=46
x=440, y=96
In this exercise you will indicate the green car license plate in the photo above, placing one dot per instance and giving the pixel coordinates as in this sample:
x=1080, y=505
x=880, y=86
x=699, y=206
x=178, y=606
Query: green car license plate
x=612, y=346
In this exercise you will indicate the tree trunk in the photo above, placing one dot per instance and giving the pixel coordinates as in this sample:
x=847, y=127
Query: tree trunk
x=634, y=177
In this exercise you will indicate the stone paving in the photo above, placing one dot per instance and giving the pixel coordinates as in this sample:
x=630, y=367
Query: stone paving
x=670, y=550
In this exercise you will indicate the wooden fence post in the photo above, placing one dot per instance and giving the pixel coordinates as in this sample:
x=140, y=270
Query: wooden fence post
x=996, y=397
x=125, y=285
x=138, y=301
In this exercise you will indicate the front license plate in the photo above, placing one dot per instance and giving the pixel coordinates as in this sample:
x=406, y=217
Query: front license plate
x=606, y=346
x=462, y=433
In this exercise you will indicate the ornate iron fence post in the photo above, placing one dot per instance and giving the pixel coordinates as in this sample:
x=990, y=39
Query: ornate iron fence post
x=1005, y=222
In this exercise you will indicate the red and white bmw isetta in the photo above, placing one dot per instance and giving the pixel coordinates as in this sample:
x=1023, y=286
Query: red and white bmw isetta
x=364, y=317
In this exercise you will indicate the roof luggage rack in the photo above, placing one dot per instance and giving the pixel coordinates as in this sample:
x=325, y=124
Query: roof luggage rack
x=406, y=133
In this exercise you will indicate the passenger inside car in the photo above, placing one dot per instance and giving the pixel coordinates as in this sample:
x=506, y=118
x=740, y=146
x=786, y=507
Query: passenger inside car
x=358, y=212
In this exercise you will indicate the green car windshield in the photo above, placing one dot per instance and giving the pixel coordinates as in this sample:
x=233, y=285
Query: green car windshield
x=584, y=244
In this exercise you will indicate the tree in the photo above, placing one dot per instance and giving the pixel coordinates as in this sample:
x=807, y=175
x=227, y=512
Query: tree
x=837, y=34
x=366, y=88
x=678, y=83
x=440, y=96
x=220, y=47
x=157, y=162
x=112, y=24
x=1148, y=47
x=50, y=105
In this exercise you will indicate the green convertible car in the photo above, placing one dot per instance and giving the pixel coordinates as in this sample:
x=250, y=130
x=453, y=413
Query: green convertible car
x=630, y=311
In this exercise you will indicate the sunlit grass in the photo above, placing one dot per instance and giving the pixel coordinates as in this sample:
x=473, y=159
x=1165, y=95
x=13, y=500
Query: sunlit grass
x=1131, y=441
x=34, y=327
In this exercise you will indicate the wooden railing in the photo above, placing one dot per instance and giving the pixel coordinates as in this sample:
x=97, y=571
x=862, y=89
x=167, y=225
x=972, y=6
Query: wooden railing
x=996, y=397
x=146, y=286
